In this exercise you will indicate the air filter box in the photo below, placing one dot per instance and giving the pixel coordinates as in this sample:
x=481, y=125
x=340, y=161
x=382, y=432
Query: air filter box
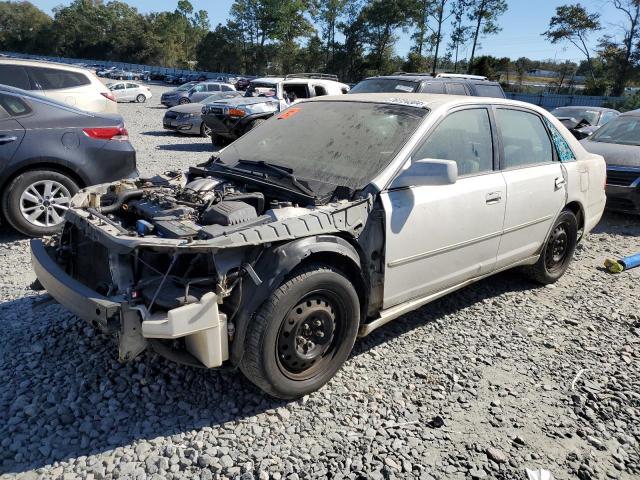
x=228, y=213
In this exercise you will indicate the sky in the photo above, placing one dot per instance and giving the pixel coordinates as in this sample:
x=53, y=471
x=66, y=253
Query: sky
x=521, y=25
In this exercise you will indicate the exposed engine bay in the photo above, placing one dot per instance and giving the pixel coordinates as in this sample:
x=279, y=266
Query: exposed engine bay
x=179, y=261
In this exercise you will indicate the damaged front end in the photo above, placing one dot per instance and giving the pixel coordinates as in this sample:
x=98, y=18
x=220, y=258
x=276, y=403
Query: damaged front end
x=171, y=262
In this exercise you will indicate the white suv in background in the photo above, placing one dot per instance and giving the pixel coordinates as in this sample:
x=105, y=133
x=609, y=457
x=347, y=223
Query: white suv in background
x=74, y=86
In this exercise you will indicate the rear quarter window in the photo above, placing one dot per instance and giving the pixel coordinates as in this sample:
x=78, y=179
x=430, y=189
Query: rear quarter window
x=494, y=91
x=14, y=76
x=14, y=106
x=54, y=79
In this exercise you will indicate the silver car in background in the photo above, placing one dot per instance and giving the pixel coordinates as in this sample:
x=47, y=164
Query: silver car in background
x=187, y=118
x=196, y=92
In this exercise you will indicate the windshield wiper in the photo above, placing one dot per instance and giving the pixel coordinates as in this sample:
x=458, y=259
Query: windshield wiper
x=283, y=171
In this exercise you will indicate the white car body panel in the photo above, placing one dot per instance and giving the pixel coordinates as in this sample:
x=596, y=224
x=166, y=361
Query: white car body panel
x=126, y=91
x=446, y=240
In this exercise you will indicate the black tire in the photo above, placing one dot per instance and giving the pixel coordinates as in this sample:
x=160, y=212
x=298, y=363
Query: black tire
x=184, y=101
x=141, y=98
x=12, y=201
x=558, y=250
x=256, y=123
x=315, y=297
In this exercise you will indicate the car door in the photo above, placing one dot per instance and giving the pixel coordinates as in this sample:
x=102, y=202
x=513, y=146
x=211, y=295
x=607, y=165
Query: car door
x=133, y=90
x=11, y=131
x=456, y=88
x=119, y=92
x=439, y=236
x=536, y=183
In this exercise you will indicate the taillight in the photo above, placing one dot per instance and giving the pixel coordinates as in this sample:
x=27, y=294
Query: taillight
x=107, y=133
x=109, y=96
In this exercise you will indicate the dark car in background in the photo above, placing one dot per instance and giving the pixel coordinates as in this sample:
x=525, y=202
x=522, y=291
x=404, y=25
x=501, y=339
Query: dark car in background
x=619, y=143
x=450, y=84
x=48, y=151
x=584, y=121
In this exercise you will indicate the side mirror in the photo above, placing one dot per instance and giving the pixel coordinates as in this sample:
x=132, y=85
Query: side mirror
x=427, y=171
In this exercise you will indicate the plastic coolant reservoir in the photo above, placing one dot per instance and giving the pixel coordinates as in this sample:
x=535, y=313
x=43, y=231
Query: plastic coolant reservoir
x=286, y=212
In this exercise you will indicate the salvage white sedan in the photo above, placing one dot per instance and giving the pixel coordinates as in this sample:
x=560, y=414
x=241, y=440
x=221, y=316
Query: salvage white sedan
x=327, y=221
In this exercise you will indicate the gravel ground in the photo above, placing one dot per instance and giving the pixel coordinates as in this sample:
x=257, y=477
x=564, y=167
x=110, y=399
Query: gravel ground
x=499, y=377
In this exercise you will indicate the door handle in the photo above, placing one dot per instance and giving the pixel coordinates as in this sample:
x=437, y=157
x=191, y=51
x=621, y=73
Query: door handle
x=493, y=197
x=560, y=183
x=7, y=139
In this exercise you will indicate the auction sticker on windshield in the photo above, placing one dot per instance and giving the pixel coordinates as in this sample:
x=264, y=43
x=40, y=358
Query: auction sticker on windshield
x=290, y=112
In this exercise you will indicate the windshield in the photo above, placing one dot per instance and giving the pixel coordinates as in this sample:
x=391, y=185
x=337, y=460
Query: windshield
x=334, y=142
x=590, y=116
x=623, y=130
x=265, y=89
x=384, y=85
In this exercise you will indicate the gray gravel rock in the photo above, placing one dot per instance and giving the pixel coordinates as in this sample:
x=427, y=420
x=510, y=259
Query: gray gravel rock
x=496, y=361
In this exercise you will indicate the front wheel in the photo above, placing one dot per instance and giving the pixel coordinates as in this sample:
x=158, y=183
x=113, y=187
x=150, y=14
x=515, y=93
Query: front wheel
x=205, y=131
x=184, y=101
x=35, y=202
x=303, y=333
x=558, y=250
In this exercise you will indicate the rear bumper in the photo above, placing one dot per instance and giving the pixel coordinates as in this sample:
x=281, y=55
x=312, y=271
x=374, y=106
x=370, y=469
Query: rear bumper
x=203, y=328
x=623, y=199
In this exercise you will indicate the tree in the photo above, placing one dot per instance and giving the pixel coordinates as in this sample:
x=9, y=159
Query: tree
x=460, y=32
x=226, y=57
x=382, y=19
x=440, y=17
x=420, y=12
x=573, y=23
x=21, y=25
x=627, y=52
x=327, y=13
x=484, y=14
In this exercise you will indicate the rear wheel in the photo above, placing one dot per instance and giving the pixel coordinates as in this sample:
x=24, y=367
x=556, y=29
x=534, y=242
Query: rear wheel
x=35, y=202
x=303, y=333
x=558, y=250
x=141, y=98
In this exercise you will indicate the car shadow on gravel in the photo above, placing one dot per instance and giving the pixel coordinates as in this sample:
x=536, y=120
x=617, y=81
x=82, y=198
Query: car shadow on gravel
x=509, y=281
x=65, y=395
x=188, y=147
x=160, y=133
x=615, y=223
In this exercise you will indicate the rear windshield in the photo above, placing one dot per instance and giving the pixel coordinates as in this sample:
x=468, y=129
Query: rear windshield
x=590, y=116
x=54, y=79
x=489, y=90
x=339, y=143
x=623, y=130
x=385, y=85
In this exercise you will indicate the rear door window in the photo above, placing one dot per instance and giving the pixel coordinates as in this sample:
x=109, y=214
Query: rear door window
x=456, y=89
x=132, y=85
x=484, y=90
x=226, y=88
x=14, y=76
x=524, y=138
x=213, y=87
x=433, y=87
x=54, y=79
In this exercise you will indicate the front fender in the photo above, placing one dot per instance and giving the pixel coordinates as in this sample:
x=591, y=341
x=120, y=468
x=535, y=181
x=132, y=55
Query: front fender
x=273, y=267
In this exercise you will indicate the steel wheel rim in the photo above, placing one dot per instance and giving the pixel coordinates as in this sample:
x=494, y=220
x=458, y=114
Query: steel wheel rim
x=309, y=335
x=557, y=248
x=206, y=131
x=44, y=202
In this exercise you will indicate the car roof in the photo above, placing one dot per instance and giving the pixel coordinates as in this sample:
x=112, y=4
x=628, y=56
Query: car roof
x=268, y=79
x=421, y=78
x=41, y=63
x=431, y=101
x=597, y=109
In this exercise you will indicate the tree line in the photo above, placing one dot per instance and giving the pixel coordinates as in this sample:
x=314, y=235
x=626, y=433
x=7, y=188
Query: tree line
x=350, y=38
